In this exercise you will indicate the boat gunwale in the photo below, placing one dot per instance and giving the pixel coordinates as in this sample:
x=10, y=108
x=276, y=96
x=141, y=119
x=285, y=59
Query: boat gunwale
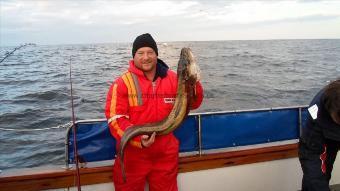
x=39, y=178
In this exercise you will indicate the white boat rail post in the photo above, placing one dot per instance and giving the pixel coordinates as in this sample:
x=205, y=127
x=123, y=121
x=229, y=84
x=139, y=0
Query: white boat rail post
x=300, y=121
x=199, y=135
x=67, y=143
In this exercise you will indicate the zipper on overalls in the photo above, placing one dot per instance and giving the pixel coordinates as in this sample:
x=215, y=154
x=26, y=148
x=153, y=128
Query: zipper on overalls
x=153, y=84
x=153, y=87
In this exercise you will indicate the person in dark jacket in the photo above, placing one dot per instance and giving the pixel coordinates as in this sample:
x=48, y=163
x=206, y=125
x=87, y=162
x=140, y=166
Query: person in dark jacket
x=320, y=138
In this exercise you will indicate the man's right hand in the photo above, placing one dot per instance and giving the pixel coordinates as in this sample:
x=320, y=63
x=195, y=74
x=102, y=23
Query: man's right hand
x=148, y=140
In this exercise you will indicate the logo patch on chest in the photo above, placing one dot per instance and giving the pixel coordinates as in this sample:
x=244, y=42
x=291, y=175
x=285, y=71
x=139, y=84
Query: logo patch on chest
x=169, y=100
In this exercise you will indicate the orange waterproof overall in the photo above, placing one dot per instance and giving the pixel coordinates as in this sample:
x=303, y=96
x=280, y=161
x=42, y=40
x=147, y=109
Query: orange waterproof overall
x=134, y=100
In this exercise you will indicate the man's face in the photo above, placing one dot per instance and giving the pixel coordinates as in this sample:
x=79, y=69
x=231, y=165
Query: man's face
x=145, y=59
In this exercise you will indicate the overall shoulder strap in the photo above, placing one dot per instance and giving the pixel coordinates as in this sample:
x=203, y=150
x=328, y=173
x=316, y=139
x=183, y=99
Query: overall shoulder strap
x=134, y=91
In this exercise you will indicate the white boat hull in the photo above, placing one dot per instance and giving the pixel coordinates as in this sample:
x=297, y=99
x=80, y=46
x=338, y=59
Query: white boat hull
x=278, y=175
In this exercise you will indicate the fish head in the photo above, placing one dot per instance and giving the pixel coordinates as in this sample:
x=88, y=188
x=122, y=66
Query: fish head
x=188, y=66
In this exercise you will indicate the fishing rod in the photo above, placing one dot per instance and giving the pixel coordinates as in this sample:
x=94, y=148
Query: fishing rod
x=8, y=54
x=75, y=149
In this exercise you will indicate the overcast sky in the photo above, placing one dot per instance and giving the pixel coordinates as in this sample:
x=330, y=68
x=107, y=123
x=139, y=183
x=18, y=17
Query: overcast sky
x=105, y=21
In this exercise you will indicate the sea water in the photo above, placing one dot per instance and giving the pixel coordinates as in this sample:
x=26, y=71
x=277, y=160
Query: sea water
x=35, y=85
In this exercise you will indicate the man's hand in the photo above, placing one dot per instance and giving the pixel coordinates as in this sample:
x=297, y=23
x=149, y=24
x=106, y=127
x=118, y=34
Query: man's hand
x=148, y=140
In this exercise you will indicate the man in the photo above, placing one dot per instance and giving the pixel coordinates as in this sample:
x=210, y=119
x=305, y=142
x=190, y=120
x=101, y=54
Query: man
x=320, y=139
x=145, y=94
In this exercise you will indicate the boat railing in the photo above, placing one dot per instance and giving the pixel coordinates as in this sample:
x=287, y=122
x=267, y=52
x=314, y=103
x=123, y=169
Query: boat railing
x=200, y=133
x=207, y=141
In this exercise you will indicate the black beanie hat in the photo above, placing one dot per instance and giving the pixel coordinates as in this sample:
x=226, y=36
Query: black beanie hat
x=144, y=40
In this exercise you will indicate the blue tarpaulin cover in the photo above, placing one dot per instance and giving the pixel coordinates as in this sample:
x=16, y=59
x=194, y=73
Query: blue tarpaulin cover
x=221, y=130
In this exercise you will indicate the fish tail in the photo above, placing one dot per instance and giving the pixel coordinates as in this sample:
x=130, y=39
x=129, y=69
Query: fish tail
x=123, y=169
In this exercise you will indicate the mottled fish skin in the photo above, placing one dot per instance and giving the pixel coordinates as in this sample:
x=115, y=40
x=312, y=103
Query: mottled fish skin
x=187, y=76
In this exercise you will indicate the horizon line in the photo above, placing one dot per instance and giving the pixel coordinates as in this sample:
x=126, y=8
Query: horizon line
x=124, y=42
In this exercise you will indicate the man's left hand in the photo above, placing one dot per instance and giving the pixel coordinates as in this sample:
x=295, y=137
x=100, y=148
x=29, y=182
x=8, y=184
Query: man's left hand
x=148, y=140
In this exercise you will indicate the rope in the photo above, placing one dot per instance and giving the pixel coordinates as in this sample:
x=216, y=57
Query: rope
x=63, y=126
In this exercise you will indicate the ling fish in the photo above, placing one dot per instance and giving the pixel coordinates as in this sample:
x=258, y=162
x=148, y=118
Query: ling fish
x=188, y=74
